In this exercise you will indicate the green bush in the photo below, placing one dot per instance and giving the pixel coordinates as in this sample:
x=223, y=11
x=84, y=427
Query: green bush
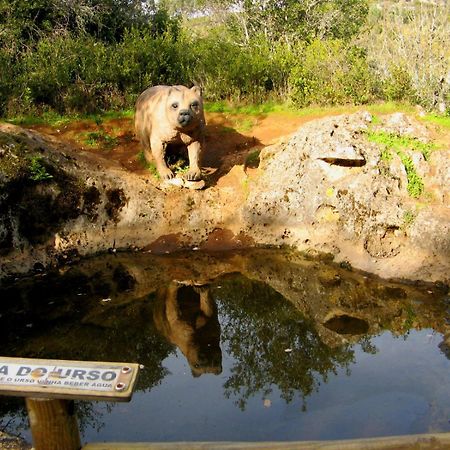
x=80, y=74
x=226, y=70
x=329, y=73
x=398, y=85
x=142, y=60
x=6, y=80
x=71, y=71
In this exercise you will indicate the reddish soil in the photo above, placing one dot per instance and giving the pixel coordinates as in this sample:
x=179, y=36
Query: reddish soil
x=230, y=138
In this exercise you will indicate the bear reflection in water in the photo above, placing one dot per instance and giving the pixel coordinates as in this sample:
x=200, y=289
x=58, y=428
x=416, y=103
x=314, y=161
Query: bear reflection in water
x=186, y=315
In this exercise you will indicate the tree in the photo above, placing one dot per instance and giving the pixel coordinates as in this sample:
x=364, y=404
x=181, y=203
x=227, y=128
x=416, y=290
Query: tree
x=285, y=20
x=305, y=19
x=24, y=22
x=407, y=46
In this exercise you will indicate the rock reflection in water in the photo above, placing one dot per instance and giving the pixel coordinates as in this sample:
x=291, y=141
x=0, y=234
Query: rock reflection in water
x=272, y=345
x=287, y=324
x=345, y=324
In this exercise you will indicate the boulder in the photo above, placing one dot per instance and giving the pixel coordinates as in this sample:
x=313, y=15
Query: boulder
x=325, y=190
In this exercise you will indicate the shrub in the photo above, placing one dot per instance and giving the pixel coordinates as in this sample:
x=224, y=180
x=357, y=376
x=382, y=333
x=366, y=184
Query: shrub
x=398, y=85
x=330, y=72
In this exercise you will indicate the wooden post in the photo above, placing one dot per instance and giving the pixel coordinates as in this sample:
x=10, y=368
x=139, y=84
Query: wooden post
x=53, y=424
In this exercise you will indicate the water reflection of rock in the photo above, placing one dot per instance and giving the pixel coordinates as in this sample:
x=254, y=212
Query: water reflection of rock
x=187, y=317
x=324, y=293
x=102, y=309
x=273, y=345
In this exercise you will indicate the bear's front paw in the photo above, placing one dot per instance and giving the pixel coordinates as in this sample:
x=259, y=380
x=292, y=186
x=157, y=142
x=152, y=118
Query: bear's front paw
x=165, y=174
x=193, y=175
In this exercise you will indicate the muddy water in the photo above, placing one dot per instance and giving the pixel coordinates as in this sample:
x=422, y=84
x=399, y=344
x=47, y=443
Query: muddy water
x=261, y=345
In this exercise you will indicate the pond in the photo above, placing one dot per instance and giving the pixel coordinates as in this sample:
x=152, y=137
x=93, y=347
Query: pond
x=255, y=345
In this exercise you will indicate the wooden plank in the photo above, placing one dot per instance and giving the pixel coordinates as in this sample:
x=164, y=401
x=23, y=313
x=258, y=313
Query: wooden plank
x=84, y=380
x=435, y=441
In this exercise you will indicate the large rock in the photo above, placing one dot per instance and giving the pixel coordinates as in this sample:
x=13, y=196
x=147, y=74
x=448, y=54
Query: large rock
x=56, y=202
x=327, y=189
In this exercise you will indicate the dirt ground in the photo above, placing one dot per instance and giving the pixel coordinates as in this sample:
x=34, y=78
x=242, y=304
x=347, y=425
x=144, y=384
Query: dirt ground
x=230, y=139
x=232, y=180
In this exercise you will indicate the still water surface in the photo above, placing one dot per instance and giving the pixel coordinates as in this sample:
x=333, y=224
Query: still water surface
x=261, y=345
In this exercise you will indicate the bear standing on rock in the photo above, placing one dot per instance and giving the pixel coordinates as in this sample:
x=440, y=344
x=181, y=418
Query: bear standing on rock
x=171, y=115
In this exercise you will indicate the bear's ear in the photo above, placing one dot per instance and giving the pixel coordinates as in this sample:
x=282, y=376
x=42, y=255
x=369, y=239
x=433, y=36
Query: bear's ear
x=197, y=90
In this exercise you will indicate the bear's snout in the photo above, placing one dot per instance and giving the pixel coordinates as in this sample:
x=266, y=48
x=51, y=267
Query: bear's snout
x=184, y=117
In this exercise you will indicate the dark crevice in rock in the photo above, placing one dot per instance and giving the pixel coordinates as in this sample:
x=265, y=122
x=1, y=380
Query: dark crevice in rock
x=345, y=162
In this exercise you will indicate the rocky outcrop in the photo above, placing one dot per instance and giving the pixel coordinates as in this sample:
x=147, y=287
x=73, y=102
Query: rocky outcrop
x=327, y=189
x=56, y=202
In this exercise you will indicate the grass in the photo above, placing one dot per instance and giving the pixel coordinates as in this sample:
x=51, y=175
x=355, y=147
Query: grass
x=225, y=130
x=389, y=108
x=54, y=119
x=392, y=142
x=408, y=218
x=150, y=166
x=251, y=110
x=386, y=154
x=396, y=142
x=442, y=121
x=415, y=186
x=38, y=172
x=270, y=108
x=100, y=138
x=245, y=125
x=252, y=159
x=287, y=108
x=47, y=118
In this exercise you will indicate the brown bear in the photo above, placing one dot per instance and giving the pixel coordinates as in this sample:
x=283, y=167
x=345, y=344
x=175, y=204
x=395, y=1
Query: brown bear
x=171, y=115
x=186, y=316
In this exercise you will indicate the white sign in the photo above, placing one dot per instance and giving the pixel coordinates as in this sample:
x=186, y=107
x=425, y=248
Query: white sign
x=71, y=377
x=75, y=379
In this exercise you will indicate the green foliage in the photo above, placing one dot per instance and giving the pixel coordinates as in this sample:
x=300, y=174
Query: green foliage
x=407, y=45
x=398, y=144
x=99, y=55
x=398, y=85
x=308, y=19
x=38, y=171
x=227, y=70
x=100, y=139
x=331, y=73
x=27, y=21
